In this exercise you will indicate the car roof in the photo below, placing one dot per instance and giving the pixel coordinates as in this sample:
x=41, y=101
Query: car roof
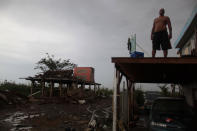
x=170, y=98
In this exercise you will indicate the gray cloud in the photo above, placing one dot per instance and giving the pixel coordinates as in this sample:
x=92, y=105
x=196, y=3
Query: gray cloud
x=88, y=32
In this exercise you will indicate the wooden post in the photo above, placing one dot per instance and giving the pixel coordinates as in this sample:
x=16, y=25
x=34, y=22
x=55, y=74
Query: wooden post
x=118, y=96
x=195, y=31
x=94, y=88
x=116, y=104
x=133, y=100
x=173, y=89
x=51, y=89
x=89, y=86
x=123, y=85
x=32, y=86
x=129, y=84
x=60, y=88
x=43, y=87
x=83, y=86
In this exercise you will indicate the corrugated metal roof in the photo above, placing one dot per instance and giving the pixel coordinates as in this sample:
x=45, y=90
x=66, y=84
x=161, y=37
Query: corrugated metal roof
x=185, y=28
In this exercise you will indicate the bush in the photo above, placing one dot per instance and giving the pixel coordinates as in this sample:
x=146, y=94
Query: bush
x=105, y=92
x=17, y=88
x=139, y=96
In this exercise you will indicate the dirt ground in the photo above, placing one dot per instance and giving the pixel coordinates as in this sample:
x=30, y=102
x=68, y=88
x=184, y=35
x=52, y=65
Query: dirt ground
x=57, y=115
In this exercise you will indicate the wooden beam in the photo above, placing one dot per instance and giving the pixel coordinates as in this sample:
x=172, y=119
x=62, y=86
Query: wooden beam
x=129, y=92
x=60, y=88
x=94, y=88
x=115, y=102
x=119, y=75
x=43, y=87
x=157, y=60
x=51, y=89
x=196, y=41
x=133, y=100
x=89, y=86
x=32, y=86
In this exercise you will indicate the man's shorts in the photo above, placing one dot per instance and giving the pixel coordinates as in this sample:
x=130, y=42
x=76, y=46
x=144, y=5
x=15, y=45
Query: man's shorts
x=161, y=41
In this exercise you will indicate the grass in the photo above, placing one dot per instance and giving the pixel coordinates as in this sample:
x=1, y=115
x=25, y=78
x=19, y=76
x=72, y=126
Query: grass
x=105, y=92
x=14, y=87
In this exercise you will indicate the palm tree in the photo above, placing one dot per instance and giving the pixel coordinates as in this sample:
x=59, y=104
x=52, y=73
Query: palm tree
x=164, y=90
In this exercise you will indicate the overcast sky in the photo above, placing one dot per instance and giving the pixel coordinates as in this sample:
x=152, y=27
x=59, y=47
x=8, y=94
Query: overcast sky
x=89, y=32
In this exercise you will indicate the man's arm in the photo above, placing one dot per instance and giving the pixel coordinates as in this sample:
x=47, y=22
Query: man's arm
x=153, y=30
x=169, y=27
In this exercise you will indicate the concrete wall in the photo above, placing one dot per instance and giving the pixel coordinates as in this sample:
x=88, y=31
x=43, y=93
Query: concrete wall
x=189, y=45
x=190, y=93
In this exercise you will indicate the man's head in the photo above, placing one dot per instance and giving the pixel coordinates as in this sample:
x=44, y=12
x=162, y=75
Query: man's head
x=161, y=12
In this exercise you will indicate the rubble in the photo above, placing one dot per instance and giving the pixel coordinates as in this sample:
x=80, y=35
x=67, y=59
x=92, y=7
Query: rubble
x=81, y=102
x=12, y=98
x=56, y=114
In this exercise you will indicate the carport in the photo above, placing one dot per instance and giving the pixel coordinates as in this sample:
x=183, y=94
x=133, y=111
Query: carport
x=149, y=70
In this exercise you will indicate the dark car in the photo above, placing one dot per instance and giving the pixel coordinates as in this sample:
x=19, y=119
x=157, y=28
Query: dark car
x=149, y=97
x=170, y=114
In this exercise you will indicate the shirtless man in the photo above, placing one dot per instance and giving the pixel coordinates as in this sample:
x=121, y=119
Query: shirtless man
x=159, y=34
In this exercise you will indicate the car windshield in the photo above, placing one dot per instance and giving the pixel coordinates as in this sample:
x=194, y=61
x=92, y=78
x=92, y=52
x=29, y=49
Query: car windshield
x=152, y=96
x=175, y=109
x=169, y=106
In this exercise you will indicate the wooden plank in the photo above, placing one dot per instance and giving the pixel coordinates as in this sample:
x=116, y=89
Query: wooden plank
x=60, y=89
x=43, y=87
x=119, y=75
x=94, y=88
x=157, y=60
x=196, y=41
x=32, y=86
x=116, y=79
x=129, y=101
x=51, y=89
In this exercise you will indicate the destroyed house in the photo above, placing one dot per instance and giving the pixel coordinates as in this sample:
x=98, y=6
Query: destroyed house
x=64, y=80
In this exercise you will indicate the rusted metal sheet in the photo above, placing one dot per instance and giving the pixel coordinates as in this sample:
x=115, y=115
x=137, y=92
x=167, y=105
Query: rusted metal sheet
x=84, y=73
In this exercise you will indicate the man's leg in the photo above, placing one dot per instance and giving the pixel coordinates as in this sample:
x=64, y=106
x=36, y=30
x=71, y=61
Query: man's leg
x=165, y=53
x=153, y=53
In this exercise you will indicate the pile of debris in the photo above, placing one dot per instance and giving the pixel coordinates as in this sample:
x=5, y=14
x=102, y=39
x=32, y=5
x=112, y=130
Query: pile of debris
x=58, y=74
x=7, y=97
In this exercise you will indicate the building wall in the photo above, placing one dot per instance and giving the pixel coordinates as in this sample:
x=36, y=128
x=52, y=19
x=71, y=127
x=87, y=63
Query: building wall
x=190, y=93
x=189, y=46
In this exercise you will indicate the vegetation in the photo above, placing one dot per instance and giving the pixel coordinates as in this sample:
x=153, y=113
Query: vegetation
x=13, y=87
x=50, y=63
x=164, y=90
x=139, y=96
x=105, y=92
